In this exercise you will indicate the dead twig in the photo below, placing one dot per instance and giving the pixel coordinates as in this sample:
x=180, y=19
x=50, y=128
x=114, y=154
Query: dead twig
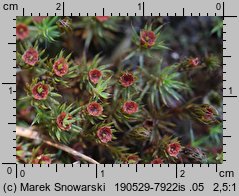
x=32, y=134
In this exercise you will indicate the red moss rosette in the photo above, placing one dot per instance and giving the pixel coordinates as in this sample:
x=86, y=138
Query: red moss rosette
x=147, y=38
x=104, y=134
x=22, y=31
x=62, y=123
x=173, y=149
x=40, y=91
x=94, y=109
x=127, y=79
x=130, y=107
x=60, y=67
x=94, y=75
x=30, y=56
